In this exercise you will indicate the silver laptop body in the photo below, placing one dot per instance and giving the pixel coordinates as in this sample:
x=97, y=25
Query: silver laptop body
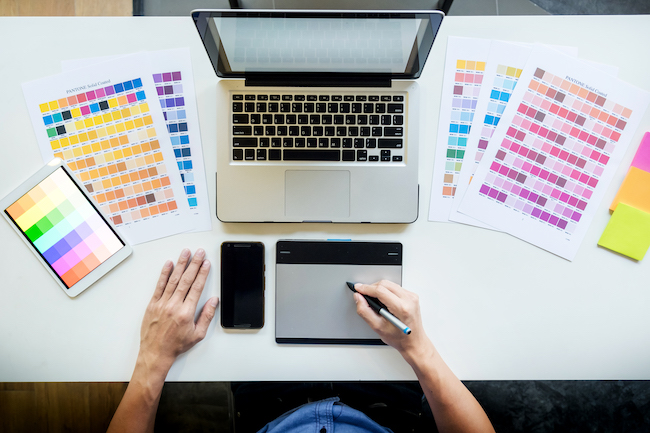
x=317, y=114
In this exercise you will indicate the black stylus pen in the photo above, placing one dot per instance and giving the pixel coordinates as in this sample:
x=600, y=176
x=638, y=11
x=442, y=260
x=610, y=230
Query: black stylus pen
x=380, y=309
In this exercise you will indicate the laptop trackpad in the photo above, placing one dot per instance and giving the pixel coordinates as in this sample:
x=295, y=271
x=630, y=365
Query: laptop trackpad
x=317, y=195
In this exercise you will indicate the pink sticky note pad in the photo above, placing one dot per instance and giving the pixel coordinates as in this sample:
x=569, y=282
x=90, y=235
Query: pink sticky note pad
x=642, y=157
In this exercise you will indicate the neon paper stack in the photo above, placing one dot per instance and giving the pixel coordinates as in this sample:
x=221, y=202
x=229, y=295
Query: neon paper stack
x=628, y=231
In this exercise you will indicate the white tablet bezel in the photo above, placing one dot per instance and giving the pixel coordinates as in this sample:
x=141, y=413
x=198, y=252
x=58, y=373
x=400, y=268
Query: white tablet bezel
x=96, y=273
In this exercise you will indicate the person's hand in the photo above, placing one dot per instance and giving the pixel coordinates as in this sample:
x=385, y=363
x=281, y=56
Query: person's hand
x=168, y=328
x=402, y=304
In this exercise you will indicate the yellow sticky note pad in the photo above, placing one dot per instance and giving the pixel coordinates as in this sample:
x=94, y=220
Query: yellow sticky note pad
x=628, y=232
x=635, y=190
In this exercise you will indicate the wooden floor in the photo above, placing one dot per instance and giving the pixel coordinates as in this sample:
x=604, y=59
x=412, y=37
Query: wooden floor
x=58, y=407
x=66, y=7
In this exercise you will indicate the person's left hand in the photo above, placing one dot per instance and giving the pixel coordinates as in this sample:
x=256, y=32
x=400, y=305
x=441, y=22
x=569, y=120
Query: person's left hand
x=168, y=328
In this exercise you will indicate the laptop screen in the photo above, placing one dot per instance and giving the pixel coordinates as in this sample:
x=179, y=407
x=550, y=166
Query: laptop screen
x=385, y=43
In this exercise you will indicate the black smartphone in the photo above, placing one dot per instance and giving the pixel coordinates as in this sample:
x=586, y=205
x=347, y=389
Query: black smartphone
x=242, y=285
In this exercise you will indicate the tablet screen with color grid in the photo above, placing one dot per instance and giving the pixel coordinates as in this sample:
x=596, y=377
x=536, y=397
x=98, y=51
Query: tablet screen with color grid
x=64, y=227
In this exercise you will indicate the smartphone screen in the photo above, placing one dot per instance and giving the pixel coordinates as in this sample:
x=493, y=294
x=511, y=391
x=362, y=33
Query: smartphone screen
x=242, y=285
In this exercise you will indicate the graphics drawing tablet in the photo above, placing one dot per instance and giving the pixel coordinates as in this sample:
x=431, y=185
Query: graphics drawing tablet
x=71, y=237
x=313, y=303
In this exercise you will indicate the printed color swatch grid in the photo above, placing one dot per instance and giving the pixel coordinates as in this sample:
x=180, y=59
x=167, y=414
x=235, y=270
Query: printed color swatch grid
x=465, y=68
x=467, y=86
x=64, y=227
x=169, y=87
x=555, y=151
x=502, y=88
x=106, y=136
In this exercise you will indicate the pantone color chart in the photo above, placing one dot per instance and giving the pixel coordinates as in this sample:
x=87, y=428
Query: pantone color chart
x=169, y=86
x=112, y=136
x=97, y=131
x=64, y=227
x=467, y=86
x=559, y=142
x=464, y=72
x=503, y=68
x=500, y=92
x=171, y=73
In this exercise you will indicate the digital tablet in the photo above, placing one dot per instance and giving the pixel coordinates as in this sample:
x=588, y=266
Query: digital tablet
x=71, y=237
x=313, y=304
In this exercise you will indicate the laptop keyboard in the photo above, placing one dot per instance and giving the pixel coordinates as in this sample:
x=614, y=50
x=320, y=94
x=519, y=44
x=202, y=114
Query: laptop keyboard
x=316, y=127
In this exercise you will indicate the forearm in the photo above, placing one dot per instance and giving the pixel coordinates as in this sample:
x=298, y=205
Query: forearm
x=454, y=408
x=137, y=410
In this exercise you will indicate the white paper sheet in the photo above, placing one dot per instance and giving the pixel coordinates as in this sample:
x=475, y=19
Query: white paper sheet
x=464, y=72
x=560, y=138
x=104, y=121
x=503, y=67
x=174, y=81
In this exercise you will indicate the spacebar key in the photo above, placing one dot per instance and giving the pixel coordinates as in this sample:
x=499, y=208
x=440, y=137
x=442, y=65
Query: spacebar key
x=311, y=155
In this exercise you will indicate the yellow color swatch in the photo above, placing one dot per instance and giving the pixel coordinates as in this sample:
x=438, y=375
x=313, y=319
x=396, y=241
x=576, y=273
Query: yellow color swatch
x=144, y=108
x=44, y=107
x=112, y=102
x=635, y=190
x=54, y=144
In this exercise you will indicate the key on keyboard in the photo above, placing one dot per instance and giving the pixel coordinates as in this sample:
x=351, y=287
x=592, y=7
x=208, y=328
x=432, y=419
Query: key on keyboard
x=308, y=127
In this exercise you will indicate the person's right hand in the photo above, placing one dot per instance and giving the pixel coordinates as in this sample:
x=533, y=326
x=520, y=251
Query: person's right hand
x=402, y=304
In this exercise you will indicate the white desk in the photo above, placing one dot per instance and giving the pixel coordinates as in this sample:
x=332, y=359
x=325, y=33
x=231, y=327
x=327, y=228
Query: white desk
x=495, y=306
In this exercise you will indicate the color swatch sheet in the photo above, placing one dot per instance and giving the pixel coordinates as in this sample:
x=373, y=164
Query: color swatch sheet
x=171, y=71
x=503, y=67
x=560, y=139
x=64, y=227
x=105, y=122
x=463, y=78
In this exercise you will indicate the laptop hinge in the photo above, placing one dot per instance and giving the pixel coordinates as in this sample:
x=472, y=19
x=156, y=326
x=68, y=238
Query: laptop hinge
x=283, y=79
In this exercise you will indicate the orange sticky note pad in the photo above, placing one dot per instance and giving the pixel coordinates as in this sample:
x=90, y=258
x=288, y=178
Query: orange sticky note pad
x=635, y=190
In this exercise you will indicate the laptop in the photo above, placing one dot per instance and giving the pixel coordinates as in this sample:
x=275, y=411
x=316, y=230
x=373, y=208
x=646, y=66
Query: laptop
x=317, y=113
